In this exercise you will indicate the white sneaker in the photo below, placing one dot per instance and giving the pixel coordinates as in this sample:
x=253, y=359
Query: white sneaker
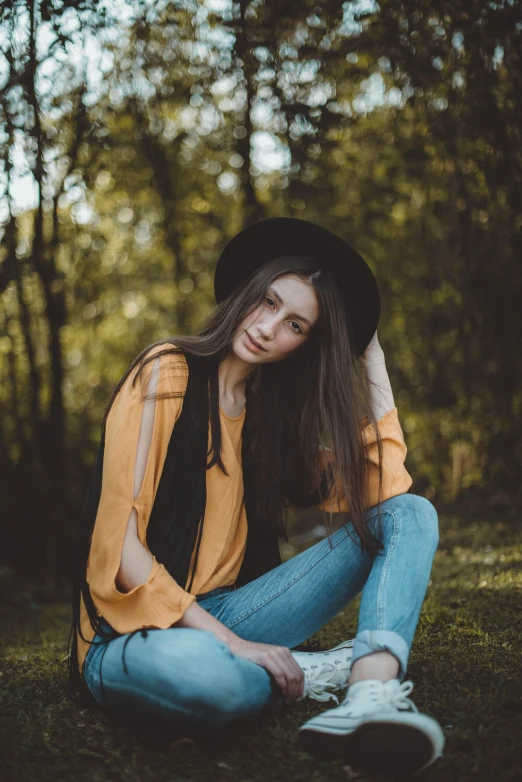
x=376, y=728
x=325, y=671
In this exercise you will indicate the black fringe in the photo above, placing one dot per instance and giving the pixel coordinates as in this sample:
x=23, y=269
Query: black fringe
x=176, y=522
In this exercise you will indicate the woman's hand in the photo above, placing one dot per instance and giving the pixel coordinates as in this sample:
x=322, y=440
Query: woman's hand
x=373, y=354
x=277, y=660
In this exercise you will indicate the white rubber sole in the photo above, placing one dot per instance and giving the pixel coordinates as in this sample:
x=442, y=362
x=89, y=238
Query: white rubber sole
x=404, y=745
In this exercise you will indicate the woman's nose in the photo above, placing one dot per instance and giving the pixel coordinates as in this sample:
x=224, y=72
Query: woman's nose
x=266, y=328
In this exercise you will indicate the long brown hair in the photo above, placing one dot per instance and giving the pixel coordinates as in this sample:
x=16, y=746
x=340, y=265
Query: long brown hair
x=312, y=400
x=296, y=409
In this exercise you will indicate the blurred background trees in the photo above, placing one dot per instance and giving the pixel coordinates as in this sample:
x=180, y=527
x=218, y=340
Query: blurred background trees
x=138, y=137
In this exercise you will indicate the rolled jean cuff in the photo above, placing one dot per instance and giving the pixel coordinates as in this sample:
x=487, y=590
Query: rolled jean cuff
x=369, y=641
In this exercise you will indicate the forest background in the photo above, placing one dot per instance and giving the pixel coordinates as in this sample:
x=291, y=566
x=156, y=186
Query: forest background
x=137, y=137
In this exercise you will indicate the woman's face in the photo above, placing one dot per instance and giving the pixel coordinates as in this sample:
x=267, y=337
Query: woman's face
x=280, y=324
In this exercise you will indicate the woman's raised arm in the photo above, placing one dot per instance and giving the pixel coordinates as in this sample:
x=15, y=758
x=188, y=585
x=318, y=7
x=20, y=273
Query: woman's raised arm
x=395, y=477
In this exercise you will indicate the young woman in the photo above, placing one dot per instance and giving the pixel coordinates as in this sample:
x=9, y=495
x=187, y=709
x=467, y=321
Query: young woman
x=183, y=607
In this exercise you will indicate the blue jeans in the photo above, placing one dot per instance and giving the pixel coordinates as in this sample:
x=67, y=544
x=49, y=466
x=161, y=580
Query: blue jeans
x=188, y=675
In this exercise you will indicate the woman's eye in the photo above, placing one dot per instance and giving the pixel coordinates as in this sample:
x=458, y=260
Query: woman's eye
x=294, y=325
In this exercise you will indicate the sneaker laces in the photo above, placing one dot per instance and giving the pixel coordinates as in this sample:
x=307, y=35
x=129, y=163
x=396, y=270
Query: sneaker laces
x=380, y=695
x=396, y=695
x=319, y=678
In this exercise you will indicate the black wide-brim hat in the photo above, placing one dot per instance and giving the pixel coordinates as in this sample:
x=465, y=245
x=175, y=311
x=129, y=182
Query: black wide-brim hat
x=277, y=236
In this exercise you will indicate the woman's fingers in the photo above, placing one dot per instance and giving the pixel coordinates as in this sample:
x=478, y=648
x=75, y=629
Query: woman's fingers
x=287, y=673
x=276, y=669
x=277, y=660
x=297, y=676
x=300, y=678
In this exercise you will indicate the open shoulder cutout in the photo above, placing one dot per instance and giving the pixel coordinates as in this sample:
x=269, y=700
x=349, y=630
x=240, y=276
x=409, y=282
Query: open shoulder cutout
x=146, y=428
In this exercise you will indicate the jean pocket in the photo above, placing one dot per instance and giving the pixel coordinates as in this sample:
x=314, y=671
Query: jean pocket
x=93, y=660
x=95, y=649
x=92, y=682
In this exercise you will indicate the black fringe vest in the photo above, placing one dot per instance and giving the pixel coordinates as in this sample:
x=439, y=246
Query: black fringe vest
x=176, y=521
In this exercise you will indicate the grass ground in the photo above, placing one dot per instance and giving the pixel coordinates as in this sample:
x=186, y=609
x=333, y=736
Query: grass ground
x=465, y=663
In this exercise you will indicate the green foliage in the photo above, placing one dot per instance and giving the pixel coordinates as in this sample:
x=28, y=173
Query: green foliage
x=150, y=137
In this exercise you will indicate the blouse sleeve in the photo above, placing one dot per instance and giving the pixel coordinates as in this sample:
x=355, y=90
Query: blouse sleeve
x=395, y=477
x=132, y=468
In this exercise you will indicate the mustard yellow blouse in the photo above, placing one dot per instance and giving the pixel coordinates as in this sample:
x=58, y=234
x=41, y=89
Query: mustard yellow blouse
x=161, y=601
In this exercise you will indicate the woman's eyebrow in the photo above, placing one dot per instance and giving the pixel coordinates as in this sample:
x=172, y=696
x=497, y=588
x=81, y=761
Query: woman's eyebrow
x=293, y=314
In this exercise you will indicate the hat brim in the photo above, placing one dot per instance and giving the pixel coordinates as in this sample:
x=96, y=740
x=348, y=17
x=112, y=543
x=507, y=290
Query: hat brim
x=276, y=236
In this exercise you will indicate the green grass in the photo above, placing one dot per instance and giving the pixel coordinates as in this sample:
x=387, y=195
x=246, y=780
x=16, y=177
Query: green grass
x=465, y=664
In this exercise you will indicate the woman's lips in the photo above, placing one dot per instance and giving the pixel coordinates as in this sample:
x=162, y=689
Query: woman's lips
x=252, y=345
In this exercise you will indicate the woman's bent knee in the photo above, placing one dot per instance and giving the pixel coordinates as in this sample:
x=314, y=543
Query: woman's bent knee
x=198, y=679
x=429, y=518
x=417, y=515
x=238, y=689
